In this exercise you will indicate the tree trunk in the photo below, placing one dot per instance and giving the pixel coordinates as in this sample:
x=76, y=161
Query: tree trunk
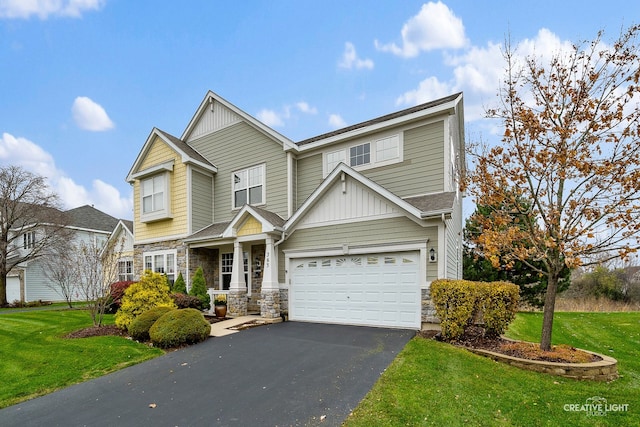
x=3, y=290
x=549, y=307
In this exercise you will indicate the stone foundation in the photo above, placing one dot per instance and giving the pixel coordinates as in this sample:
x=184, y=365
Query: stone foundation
x=237, y=303
x=270, y=304
x=428, y=312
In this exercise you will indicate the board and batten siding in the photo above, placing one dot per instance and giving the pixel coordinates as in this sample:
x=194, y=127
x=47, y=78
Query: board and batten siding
x=159, y=153
x=387, y=231
x=201, y=200
x=238, y=147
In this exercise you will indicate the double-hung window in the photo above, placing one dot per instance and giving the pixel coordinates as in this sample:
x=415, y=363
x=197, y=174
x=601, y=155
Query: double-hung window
x=248, y=186
x=28, y=239
x=360, y=154
x=154, y=195
x=163, y=262
x=125, y=270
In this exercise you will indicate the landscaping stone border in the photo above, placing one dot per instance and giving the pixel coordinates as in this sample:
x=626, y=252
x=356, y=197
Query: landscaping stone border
x=602, y=370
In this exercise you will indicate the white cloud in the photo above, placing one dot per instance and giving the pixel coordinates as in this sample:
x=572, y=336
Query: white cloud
x=30, y=156
x=336, y=122
x=270, y=118
x=273, y=118
x=24, y=9
x=90, y=115
x=350, y=59
x=305, y=108
x=434, y=27
x=428, y=90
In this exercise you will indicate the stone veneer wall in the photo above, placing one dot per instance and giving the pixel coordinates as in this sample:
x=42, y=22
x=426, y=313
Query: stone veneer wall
x=209, y=260
x=138, y=250
x=256, y=253
x=428, y=311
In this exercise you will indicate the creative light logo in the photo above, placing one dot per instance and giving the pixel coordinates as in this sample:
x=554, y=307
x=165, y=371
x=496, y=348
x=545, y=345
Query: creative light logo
x=596, y=406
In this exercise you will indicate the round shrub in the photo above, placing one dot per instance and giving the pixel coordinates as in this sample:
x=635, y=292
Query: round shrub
x=179, y=327
x=151, y=291
x=139, y=328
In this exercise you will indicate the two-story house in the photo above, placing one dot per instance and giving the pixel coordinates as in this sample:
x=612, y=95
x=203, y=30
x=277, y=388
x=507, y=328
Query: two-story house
x=30, y=280
x=347, y=227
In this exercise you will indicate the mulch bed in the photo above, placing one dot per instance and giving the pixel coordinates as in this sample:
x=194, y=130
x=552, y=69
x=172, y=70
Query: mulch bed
x=98, y=331
x=474, y=338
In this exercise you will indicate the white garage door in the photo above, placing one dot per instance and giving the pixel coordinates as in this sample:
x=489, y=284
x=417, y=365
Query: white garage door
x=13, y=289
x=370, y=290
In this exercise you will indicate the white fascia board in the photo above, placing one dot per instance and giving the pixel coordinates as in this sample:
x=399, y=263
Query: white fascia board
x=166, y=167
x=141, y=155
x=335, y=175
x=246, y=210
x=286, y=142
x=448, y=106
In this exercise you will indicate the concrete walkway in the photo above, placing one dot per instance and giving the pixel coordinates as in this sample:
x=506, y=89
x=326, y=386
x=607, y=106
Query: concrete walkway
x=226, y=327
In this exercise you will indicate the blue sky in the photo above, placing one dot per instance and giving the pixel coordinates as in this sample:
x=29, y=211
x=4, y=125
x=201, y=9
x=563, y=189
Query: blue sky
x=83, y=82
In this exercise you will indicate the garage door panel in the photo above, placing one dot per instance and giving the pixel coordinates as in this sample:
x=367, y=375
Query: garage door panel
x=376, y=290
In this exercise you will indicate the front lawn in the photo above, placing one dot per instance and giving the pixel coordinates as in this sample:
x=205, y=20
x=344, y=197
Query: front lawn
x=37, y=359
x=433, y=383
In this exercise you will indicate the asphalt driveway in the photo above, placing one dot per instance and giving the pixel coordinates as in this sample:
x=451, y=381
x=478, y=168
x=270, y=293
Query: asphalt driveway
x=287, y=374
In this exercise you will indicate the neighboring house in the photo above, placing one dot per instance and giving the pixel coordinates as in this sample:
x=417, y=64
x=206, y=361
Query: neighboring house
x=29, y=282
x=122, y=237
x=347, y=227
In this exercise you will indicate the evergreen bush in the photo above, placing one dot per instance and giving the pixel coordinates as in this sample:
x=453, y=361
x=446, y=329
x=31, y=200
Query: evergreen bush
x=151, y=291
x=199, y=289
x=179, y=286
x=187, y=301
x=139, y=327
x=179, y=327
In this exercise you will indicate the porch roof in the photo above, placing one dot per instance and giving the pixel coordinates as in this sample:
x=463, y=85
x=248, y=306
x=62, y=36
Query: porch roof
x=433, y=204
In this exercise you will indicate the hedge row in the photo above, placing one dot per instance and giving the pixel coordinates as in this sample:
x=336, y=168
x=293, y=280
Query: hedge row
x=459, y=303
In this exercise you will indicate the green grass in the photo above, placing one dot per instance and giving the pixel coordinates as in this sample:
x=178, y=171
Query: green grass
x=432, y=383
x=37, y=360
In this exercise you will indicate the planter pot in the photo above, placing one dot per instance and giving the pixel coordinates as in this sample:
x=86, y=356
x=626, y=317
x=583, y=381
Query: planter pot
x=220, y=310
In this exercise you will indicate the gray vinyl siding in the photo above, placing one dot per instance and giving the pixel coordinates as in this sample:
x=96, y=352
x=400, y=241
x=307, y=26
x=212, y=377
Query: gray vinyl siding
x=238, y=147
x=36, y=284
x=202, y=200
x=377, y=232
x=309, y=177
x=453, y=233
x=422, y=170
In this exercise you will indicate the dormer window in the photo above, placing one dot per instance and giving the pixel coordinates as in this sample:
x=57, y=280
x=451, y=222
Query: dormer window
x=248, y=186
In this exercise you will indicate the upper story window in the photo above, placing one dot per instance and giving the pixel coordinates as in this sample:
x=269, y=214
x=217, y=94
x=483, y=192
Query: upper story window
x=154, y=194
x=370, y=154
x=360, y=154
x=248, y=186
x=28, y=239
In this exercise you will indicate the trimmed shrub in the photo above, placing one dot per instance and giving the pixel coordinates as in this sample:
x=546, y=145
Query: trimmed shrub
x=151, y=291
x=139, y=327
x=179, y=286
x=199, y=289
x=179, y=327
x=459, y=303
x=187, y=301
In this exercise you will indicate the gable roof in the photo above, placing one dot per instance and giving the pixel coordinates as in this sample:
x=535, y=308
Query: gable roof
x=417, y=208
x=447, y=103
x=208, y=102
x=90, y=218
x=188, y=154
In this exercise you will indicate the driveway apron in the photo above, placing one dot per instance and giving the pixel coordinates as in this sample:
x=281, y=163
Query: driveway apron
x=286, y=374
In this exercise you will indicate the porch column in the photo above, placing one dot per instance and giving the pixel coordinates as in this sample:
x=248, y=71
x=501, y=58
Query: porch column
x=237, y=301
x=270, y=294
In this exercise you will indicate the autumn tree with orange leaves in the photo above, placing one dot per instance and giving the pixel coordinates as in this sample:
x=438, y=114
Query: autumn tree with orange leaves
x=571, y=149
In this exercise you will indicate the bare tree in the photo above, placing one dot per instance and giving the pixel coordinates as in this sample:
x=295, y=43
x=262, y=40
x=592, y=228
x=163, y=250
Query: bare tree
x=571, y=146
x=61, y=268
x=31, y=222
x=97, y=267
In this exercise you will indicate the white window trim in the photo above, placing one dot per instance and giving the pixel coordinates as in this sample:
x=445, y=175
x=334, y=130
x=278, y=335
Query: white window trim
x=162, y=213
x=264, y=186
x=153, y=254
x=373, y=161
